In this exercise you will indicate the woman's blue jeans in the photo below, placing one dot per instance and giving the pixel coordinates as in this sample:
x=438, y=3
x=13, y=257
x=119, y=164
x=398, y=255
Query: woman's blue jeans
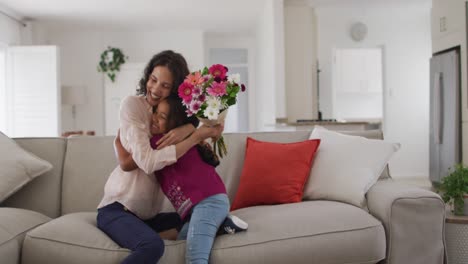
x=141, y=237
x=201, y=230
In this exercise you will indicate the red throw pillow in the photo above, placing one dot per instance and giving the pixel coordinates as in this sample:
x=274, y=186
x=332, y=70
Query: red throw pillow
x=274, y=173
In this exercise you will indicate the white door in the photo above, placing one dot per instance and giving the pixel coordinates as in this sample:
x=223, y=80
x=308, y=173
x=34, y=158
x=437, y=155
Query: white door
x=32, y=95
x=357, y=84
x=126, y=83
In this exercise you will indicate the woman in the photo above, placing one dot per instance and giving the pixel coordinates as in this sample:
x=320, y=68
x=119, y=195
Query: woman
x=128, y=213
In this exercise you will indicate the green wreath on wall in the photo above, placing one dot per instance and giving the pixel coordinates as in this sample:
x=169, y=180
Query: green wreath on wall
x=111, y=59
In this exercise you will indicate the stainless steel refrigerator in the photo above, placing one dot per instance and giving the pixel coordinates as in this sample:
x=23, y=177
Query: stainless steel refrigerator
x=445, y=114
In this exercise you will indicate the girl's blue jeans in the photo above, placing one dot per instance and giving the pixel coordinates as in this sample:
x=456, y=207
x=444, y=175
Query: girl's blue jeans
x=201, y=230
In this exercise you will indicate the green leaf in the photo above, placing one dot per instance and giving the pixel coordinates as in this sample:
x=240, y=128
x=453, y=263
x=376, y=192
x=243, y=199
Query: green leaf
x=113, y=66
x=231, y=101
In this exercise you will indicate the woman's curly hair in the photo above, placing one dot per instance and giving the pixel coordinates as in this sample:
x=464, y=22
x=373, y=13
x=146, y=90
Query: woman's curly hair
x=176, y=64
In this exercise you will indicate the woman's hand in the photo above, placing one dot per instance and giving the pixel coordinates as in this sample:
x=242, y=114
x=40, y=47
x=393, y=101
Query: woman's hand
x=175, y=136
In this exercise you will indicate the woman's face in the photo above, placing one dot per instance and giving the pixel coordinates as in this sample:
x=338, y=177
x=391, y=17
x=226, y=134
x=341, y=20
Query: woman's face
x=159, y=85
x=159, y=120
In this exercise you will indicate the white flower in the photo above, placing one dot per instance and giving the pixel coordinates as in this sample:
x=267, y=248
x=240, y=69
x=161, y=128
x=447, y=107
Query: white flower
x=213, y=102
x=235, y=77
x=110, y=56
x=211, y=113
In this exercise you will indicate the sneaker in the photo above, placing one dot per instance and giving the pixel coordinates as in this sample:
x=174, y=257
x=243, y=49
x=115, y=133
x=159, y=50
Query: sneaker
x=231, y=225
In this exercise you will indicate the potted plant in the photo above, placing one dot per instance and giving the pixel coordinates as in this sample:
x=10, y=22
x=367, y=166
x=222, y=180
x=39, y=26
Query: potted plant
x=454, y=189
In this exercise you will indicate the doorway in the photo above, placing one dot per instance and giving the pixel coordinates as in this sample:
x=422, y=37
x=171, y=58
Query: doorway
x=236, y=60
x=358, y=84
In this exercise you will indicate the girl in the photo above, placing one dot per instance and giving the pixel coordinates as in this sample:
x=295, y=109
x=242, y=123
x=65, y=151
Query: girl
x=194, y=188
x=127, y=212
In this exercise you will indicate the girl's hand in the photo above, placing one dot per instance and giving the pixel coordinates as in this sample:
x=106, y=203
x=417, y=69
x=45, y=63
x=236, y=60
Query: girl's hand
x=175, y=136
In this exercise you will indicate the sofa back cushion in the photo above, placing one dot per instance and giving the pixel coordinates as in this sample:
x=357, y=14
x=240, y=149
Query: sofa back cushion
x=371, y=134
x=231, y=165
x=90, y=160
x=88, y=163
x=42, y=194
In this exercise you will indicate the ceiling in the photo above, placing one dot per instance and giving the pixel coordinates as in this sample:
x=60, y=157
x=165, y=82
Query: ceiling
x=211, y=15
x=368, y=3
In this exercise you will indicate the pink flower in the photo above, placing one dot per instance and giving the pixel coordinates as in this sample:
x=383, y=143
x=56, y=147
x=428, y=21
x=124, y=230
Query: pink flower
x=195, y=106
x=217, y=89
x=202, y=98
x=194, y=78
x=185, y=91
x=218, y=70
x=189, y=113
x=196, y=91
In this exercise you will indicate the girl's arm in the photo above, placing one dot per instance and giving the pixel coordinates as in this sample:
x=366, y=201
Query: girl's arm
x=175, y=136
x=200, y=134
x=178, y=134
x=124, y=157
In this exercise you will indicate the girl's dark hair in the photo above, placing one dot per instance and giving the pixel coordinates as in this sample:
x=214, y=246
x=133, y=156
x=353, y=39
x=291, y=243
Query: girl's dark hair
x=172, y=60
x=177, y=115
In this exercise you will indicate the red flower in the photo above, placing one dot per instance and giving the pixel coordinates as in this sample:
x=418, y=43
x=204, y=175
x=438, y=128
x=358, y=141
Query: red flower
x=218, y=70
x=185, y=91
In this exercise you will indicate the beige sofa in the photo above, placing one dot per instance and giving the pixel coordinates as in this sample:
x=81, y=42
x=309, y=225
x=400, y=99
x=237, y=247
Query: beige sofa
x=53, y=218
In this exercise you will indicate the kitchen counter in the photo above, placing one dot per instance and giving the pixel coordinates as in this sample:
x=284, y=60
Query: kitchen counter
x=331, y=125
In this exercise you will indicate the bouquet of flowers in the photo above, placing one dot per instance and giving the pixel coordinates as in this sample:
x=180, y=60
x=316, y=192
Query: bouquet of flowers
x=207, y=94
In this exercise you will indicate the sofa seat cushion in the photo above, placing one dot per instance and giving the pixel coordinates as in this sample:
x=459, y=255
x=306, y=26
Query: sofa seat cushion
x=306, y=232
x=72, y=238
x=14, y=223
x=312, y=232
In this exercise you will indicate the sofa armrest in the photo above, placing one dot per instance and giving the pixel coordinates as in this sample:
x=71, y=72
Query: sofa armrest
x=413, y=219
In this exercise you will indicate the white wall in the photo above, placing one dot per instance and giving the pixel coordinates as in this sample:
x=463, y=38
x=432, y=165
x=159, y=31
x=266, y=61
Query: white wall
x=10, y=31
x=404, y=33
x=269, y=64
x=279, y=56
x=80, y=53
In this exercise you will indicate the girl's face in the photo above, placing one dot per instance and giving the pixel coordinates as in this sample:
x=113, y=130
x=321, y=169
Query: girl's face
x=159, y=85
x=159, y=120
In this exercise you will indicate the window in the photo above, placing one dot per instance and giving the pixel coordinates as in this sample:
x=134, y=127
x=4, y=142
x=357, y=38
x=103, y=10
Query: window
x=30, y=95
x=3, y=103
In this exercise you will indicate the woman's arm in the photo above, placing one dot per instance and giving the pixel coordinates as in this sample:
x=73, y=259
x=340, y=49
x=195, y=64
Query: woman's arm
x=134, y=133
x=127, y=163
x=133, y=118
x=124, y=157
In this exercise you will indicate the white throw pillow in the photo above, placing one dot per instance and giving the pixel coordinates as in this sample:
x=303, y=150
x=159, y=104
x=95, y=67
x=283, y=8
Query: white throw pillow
x=17, y=167
x=345, y=166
